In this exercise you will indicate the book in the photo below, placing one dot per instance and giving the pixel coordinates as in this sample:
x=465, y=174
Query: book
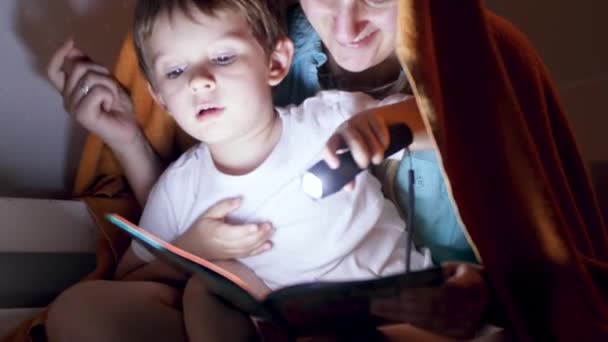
x=307, y=308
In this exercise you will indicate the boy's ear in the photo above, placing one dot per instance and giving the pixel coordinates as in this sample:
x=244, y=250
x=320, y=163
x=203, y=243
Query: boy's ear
x=157, y=97
x=280, y=61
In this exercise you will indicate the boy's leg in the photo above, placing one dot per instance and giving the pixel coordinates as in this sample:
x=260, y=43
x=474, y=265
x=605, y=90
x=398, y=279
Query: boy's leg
x=207, y=318
x=116, y=311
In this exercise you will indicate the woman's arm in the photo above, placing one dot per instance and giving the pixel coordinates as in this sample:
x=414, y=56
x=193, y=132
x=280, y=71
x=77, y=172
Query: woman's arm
x=141, y=165
x=95, y=98
x=406, y=112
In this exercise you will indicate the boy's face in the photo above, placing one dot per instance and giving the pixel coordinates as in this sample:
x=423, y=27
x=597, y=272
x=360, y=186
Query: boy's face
x=212, y=75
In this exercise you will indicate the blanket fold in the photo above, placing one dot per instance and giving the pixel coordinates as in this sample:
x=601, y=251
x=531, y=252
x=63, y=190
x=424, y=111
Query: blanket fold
x=513, y=167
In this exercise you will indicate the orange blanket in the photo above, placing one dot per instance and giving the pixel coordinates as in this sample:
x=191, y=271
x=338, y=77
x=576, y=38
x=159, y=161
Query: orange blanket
x=513, y=167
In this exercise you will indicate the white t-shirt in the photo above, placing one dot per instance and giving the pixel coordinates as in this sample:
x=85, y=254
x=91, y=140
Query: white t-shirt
x=349, y=235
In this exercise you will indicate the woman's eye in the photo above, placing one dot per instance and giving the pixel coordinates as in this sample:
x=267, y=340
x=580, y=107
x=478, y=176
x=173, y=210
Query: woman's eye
x=175, y=73
x=224, y=59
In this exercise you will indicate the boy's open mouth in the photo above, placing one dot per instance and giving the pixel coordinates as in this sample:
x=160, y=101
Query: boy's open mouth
x=208, y=110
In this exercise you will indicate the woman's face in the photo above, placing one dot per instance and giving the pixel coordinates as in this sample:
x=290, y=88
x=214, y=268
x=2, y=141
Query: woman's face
x=359, y=34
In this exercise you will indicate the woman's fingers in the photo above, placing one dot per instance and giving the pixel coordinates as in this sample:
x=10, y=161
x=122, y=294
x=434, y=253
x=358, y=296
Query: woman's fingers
x=380, y=134
x=355, y=140
x=462, y=274
x=350, y=186
x=88, y=83
x=329, y=153
x=54, y=70
x=409, y=305
x=78, y=73
x=88, y=108
x=454, y=309
x=366, y=137
x=427, y=308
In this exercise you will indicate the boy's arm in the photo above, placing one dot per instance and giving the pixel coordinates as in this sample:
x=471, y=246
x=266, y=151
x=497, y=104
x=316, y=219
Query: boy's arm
x=159, y=219
x=209, y=237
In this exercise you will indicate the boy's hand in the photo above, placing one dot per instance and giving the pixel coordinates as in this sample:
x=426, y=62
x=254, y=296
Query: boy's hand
x=92, y=96
x=218, y=240
x=365, y=134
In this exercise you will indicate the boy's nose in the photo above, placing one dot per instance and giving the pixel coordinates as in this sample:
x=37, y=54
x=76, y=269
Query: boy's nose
x=202, y=81
x=347, y=23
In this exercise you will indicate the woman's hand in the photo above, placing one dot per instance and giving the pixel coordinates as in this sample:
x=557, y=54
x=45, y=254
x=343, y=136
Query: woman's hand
x=93, y=97
x=366, y=136
x=455, y=309
x=212, y=238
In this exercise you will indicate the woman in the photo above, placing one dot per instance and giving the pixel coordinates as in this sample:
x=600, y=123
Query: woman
x=357, y=53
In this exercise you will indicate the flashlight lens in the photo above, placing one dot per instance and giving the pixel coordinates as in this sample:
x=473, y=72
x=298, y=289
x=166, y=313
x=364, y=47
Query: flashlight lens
x=312, y=185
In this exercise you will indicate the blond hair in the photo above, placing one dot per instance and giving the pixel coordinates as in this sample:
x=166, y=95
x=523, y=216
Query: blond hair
x=265, y=17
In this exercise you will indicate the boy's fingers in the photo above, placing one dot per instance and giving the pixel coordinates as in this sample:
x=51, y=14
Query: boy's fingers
x=54, y=69
x=246, y=251
x=264, y=247
x=247, y=234
x=223, y=208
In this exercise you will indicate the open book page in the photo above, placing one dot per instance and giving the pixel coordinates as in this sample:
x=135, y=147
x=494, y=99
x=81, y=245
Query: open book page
x=301, y=308
x=182, y=252
x=222, y=282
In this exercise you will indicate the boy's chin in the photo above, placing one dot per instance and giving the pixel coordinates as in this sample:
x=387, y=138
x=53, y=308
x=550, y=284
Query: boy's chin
x=213, y=139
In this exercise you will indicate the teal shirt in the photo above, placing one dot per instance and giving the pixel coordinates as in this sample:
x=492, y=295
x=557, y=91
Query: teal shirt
x=436, y=225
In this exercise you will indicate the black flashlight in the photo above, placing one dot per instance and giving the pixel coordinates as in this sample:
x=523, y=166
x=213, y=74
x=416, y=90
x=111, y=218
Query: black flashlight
x=321, y=181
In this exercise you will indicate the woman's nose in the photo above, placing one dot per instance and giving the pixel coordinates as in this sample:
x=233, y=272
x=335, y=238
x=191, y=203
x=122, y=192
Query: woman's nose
x=202, y=81
x=347, y=23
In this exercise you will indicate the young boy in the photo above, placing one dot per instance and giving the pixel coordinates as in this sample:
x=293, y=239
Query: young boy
x=211, y=65
x=238, y=195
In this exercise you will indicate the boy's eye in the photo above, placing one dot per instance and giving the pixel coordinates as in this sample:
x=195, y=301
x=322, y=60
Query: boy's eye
x=224, y=59
x=175, y=73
